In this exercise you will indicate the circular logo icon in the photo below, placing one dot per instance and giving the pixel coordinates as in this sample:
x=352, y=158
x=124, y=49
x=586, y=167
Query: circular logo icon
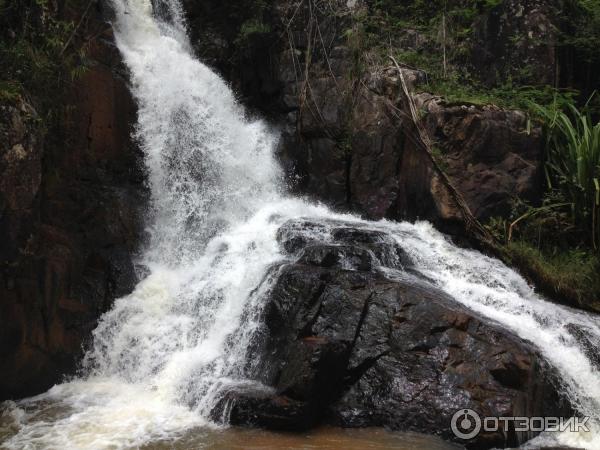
x=466, y=424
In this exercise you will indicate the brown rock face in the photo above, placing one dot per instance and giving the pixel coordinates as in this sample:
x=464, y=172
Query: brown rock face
x=489, y=153
x=377, y=169
x=70, y=218
x=21, y=152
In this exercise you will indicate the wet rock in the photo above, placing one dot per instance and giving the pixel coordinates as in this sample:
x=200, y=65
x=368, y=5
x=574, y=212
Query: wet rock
x=350, y=248
x=559, y=448
x=296, y=235
x=357, y=349
x=357, y=236
x=341, y=256
x=386, y=249
x=259, y=409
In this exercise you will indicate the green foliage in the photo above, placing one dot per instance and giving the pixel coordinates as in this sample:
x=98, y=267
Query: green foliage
x=251, y=29
x=507, y=95
x=544, y=225
x=573, y=163
x=548, y=248
x=571, y=273
x=357, y=40
x=9, y=91
x=248, y=22
x=438, y=156
x=251, y=32
x=582, y=30
x=33, y=51
x=556, y=242
x=436, y=36
x=444, y=30
x=458, y=87
x=437, y=22
x=422, y=13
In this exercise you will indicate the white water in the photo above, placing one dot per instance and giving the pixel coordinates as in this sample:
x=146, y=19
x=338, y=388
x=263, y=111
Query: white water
x=163, y=354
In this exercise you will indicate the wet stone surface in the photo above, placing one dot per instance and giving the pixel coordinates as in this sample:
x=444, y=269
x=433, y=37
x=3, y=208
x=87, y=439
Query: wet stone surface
x=348, y=346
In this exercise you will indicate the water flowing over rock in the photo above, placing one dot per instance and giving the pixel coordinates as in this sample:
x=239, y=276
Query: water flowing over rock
x=358, y=340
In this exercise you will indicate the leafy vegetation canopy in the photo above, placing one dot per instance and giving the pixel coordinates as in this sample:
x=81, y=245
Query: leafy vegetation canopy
x=36, y=52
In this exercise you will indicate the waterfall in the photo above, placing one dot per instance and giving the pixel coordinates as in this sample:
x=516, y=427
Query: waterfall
x=162, y=356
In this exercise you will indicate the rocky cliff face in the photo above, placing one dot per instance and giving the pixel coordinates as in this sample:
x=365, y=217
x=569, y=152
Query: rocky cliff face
x=69, y=214
x=22, y=150
x=518, y=39
x=491, y=155
x=346, y=138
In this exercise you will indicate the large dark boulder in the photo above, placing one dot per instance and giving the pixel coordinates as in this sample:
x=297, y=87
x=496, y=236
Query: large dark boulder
x=348, y=345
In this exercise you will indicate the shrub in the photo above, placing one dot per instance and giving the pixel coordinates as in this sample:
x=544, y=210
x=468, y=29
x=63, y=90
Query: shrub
x=573, y=163
x=35, y=53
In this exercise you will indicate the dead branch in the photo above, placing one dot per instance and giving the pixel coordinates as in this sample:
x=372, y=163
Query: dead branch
x=472, y=225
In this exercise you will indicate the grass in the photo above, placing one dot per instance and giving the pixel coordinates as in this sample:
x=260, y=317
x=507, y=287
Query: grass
x=507, y=96
x=461, y=88
x=568, y=274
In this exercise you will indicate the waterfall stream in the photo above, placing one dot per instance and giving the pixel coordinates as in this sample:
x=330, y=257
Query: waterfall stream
x=162, y=356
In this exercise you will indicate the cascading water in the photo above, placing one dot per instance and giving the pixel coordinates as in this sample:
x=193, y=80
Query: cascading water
x=162, y=356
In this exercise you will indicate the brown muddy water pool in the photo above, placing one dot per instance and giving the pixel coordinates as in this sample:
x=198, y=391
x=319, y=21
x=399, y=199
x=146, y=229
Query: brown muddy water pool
x=321, y=439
